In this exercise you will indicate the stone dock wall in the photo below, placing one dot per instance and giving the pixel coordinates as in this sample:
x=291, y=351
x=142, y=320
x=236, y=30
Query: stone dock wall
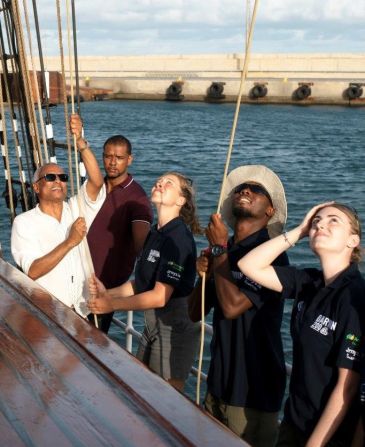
x=279, y=76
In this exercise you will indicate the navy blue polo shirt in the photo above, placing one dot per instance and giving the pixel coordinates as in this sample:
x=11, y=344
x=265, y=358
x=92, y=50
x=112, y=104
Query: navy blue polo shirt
x=327, y=326
x=168, y=256
x=247, y=367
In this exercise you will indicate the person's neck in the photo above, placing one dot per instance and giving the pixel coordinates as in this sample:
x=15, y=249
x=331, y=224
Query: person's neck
x=333, y=266
x=53, y=209
x=165, y=215
x=113, y=182
x=246, y=226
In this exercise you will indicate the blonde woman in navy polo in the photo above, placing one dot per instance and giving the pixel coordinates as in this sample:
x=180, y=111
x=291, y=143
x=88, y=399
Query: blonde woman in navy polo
x=327, y=325
x=164, y=278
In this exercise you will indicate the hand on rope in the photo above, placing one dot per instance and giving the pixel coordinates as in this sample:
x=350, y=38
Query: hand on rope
x=216, y=231
x=100, y=302
x=77, y=232
x=204, y=264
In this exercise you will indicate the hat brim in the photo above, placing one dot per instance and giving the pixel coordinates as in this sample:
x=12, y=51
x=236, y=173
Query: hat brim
x=270, y=181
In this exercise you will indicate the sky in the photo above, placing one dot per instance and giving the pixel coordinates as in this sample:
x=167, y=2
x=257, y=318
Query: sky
x=137, y=27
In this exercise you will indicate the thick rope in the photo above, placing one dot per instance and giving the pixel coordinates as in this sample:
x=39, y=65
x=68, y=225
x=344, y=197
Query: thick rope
x=35, y=83
x=27, y=83
x=69, y=150
x=228, y=158
x=5, y=153
x=72, y=91
x=84, y=246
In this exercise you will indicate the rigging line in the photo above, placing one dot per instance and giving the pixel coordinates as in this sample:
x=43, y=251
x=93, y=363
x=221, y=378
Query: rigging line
x=74, y=31
x=26, y=79
x=76, y=155
x=45, y=99
x=65, y=108
x=5, y=153
x=229, y=153
x=17, y=91
x=35, y=83
x=202, y=339
x=13, y=118
x=239, y=98
x=84, y=246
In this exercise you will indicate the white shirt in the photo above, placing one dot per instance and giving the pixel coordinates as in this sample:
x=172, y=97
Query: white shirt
x=35, y=234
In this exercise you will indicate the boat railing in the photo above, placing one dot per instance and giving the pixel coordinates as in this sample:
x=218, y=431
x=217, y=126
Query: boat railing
x=131, y=332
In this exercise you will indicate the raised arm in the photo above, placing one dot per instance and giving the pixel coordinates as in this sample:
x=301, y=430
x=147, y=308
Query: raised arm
x=257, y=263
x=232, y=301
x=95, y=177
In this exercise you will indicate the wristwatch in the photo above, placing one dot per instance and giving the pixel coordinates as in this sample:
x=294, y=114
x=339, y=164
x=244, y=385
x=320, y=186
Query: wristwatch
x=218, y=250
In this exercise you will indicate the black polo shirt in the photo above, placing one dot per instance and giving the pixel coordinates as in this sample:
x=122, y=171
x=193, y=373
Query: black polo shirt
x=168, y=256
x=247, y=367
x=326, y=327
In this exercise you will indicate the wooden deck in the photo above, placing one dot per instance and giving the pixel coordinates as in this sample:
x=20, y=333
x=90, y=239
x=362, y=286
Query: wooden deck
x=64, y=383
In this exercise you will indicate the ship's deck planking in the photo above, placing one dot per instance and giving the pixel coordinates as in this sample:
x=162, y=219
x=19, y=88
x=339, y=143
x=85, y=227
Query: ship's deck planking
x=64, y=383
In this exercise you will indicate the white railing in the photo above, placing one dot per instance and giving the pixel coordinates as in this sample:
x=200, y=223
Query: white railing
x=131, y=332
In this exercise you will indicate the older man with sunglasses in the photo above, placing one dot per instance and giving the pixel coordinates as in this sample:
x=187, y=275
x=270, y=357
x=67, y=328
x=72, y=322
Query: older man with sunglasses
x=45, y=241
x=246, y=378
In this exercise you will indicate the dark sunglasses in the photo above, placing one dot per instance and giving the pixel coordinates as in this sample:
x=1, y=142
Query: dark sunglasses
x=256, y=189
x=52, y=177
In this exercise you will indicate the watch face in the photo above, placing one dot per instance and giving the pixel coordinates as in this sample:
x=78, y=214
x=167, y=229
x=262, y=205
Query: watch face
x=218, y=250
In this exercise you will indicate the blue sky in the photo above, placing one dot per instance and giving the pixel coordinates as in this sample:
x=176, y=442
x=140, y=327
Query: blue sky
x=137, y=27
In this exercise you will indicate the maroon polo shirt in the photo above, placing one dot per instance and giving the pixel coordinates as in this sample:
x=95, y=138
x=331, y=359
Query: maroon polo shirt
x=110, y=236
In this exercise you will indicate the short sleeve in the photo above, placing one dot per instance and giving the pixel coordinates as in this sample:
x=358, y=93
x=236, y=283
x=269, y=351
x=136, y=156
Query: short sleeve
x=140, y=210
x=294, y=280
x=349, y=334
x=257, y=294
x=172, y=263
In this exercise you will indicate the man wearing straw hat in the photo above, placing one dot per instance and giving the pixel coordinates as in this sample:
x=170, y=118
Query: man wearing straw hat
x=246, y=378
x=46, y=241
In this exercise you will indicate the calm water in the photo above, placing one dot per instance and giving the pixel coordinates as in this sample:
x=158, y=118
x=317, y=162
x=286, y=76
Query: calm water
x=317, y=151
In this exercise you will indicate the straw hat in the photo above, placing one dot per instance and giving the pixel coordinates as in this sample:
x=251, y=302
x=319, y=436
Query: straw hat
x=270, y=181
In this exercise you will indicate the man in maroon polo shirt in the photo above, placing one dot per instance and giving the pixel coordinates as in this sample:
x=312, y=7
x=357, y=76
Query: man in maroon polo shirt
x=119, y=230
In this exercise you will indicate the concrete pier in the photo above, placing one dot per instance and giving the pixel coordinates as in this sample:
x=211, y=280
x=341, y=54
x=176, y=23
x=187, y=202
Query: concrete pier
x=320, y=78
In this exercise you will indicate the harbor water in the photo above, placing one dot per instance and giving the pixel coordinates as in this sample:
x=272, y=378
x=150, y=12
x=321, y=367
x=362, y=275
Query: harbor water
x=318, y=152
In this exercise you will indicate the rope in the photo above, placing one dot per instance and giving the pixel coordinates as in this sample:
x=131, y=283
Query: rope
x=84, y=246
x=35, y=78
x=27, y=84
x=72, y=91
x=69, y=159
x=228, y=158
x=13, y=123
x=5, y=153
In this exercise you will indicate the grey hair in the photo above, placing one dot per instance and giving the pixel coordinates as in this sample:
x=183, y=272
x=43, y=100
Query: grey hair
x=38, y=171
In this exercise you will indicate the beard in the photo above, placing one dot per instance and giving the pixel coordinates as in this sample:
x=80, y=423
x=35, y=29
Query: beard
x=241, y=213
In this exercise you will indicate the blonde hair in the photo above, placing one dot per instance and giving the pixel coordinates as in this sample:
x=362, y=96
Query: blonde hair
x=188, y=210
x=355, y=224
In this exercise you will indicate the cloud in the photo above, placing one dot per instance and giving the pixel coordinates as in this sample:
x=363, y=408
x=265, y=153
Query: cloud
x=191, y=26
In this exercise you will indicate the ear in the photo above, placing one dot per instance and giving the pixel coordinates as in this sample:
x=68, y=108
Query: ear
x=270, y=211
x=354, y=241
x=130, y=159
x=181, y=201
x=36, y=188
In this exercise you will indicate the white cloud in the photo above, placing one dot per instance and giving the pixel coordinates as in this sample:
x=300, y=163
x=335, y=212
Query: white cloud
x=108, y=27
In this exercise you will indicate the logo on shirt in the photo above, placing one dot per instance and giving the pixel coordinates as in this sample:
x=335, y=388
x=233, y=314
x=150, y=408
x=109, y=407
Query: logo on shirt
x=351, y=354
x=324, y=324
x=355, y=341
x=153, y=255
x=177, y=267
x=238, y=276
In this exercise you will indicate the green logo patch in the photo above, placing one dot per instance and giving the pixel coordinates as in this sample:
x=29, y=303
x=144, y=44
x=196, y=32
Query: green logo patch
x=355, y=341
x=176, y=267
